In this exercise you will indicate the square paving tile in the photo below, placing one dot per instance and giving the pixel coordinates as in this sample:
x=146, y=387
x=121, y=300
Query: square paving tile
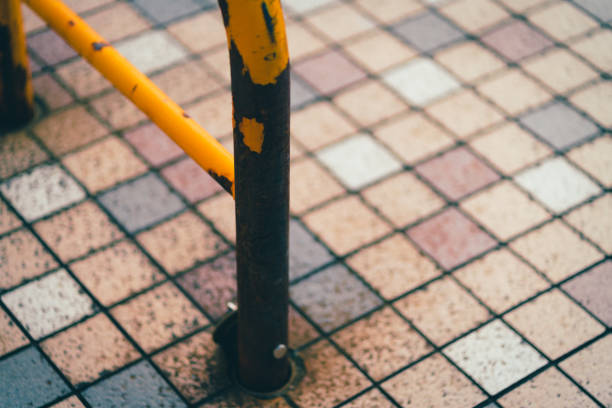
x=516, y=40
x=104, y=164
x=141, y=203
x=8, y=219
x=48, y=304
x=220, y=210
x=595, y=222
x=501, y=280
x=393, y=266
x=68, y=129
x=51, y=92
x=22, y=257
x=346, y=224
x=457, y=173
x=560, y=70
x=382, y=343
x=592, y=47
x=118, y=110
x=464, y=113
x=151, y=50
x=305, y=254
x=310, y=185
x=328, y=72
x=18, y=152
x=600, y=8
x=196, y=367
x=554, y=324
x=442, y=310
x=330, y=378
x=403, y=199
x=117, y=22
x=433, y=382
x=504, y=210
x=77, y=231
x=301, y=92
x=89, y=350
x=389, y=11
x=557, y=184
x=333, y=297
x=546, y=249
x=50, y=47
x=513, y=91
x=213, y=284
x=482, y=61
x=298, y=6
x=318, y=125
x=591, y=369
x=596, y=158
x=192, y=30
x=72, y=402
x=214, y=114
x=162, y=11
x=510, y=148
x=12, y=337
x=591, y=290
x=153, y=144
x=450, y=238
x=494, y=356
x=550, y=387
x=29, y=381
x=474, y=15
x=159, y=316
x=186, y=82
x=339, y=22
x=413, y=137
x=82, y=78
x=41, y=191
x=372, y=398
x=420, y=81
x=189, y=179
x=379, y=50
x=181, y=242
x=358, y=161
x=138, y=386
x=559, y=125
x=103, y=273
x=427, y=31
x=562, y=20
x=595, y=101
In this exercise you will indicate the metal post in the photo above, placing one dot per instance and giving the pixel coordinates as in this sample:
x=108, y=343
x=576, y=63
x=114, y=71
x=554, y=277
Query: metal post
x=260, y=91
x=16, y=95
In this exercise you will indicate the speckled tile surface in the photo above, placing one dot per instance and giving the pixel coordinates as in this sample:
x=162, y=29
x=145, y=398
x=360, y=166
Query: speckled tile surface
x=451, y=166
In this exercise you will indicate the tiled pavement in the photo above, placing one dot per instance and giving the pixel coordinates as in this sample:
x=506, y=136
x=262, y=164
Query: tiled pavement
x=451, y=200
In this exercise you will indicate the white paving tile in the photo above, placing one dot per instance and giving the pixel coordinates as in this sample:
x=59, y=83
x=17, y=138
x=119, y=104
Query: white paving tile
x=358, y=161
x=421, y=81
x=302, y=6
x=495, y=356
x=43, y=190
x=49, y=304
x=152, y=50
x=557, y=184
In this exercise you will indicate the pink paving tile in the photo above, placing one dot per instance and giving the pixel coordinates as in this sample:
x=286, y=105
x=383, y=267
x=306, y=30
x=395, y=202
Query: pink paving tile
x=51, y=92
x=190, y=180
x=329, y=72
x=457, y=173
x=516, y=40
x=592, y=289
x=451, y=238
x=153, y=144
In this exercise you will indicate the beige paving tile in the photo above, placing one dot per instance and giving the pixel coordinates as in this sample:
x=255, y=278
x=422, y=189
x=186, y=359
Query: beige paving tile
x=330, y=378
x=301, y=41
x=18, y=152
x=117, y=110
x=413, y=137
x=104, y=273
x=214, y=114
x=8, y=219
x=319, y=124
x=201, y=31
x=595, y=221
x=591, y=369
x=554, y=324
x=556, y=250
x=90, y=349
x=310, y=185
x=521, y=5
x=595, y=100
x=464, y=113
x=118, y=21
x=474, y=15
x=433, y=382
x=513, y=92
x=185, y=82
x=378, y=50
x=596, y=158
x=382, y=343
x=562, y=20
x=501, y=280
x=50, y=92
x=157, y=317
x=442, y=310
x=549, y=388
x=11, y=337
x=388, y=11
x=82, y=78
x=72, y=402
x=482, y=61
x=403, y=199
x=104, y=164
x=372, y=398
x=221, y=211
x=181, y=242
x=77, y=231
x=346, y=224
x=594, y=48
x=340, y=22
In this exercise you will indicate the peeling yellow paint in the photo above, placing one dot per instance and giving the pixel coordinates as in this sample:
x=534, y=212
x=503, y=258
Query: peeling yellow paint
x=262, y=45
x=252, y=132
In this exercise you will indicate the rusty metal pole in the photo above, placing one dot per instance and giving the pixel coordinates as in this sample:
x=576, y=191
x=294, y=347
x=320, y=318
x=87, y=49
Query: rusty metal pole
x=260, y=92
x=16, y=95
